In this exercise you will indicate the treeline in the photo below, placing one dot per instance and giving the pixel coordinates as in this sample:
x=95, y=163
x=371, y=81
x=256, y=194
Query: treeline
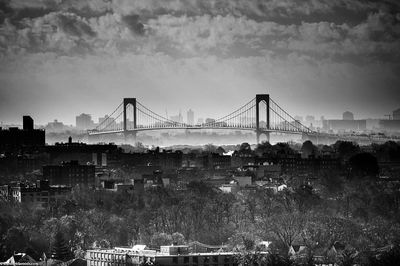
x=362, y=215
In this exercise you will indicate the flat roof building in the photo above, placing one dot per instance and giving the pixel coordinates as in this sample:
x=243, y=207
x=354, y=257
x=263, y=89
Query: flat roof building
x=39, y=195
x=344, y=125
x=84, y=121
x=348, y=115
x=168, y=255
x=28, y=136
x=70, y=174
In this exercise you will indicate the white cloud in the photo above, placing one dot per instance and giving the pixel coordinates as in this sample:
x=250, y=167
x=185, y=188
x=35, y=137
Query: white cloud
x=201, y=51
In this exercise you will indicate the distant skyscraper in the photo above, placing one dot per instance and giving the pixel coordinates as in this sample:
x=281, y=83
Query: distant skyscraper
x=84, y=121
x=54, y=126
x=190, y=117
x=210, y=120
x=177, y=118
x=102, y=119
x=348, y=116
x=310, y=119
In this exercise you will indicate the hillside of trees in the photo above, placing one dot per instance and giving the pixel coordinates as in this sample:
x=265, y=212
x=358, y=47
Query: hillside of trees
x=355, y=209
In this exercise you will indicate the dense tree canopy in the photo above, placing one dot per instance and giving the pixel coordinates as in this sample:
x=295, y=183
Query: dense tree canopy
x=362, y=214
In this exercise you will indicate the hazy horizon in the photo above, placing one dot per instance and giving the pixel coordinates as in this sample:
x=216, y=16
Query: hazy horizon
x=312, y=57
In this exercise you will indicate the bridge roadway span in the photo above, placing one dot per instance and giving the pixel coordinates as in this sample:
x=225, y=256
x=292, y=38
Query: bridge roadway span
x=138, y=129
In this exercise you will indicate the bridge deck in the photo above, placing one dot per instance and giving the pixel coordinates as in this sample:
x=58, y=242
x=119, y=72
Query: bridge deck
x=194, y=128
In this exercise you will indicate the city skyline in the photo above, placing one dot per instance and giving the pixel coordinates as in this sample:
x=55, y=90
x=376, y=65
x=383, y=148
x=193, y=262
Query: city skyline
x=199, y=132
x=315, y=58
x=305, y=119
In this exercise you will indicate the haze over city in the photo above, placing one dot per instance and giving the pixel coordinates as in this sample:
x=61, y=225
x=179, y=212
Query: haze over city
x=60, y=59
x=199, y=132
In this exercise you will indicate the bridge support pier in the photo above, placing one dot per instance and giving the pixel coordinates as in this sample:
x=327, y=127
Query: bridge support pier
x=260, y=130
x=130, y=137
x=261, y=133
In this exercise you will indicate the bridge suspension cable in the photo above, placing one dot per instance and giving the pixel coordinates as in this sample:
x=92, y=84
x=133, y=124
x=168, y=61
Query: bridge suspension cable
x=110, y=123
x=245, y=117
x=281, y=120
x=148, y=118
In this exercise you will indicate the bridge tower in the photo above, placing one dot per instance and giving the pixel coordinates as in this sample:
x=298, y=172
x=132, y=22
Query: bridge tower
x=127, y=131
x=260, y=98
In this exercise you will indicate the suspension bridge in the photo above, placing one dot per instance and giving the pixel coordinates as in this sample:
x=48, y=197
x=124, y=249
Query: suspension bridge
x=261, y=115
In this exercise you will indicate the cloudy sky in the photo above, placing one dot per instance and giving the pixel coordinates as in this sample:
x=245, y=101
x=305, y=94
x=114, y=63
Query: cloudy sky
x=59, y=58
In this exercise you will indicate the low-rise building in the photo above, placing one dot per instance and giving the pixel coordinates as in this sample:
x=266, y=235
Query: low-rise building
x=28, y=136
x=232, y=187
x=243, y=181
x=5, y=192
x=168, y=255
x=344, y=125
x=39, y=195
x=21, y=259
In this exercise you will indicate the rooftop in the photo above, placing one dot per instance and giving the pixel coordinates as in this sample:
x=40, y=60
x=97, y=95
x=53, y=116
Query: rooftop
x=165, y=251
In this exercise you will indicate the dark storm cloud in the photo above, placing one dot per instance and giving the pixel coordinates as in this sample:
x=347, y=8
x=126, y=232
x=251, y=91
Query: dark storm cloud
x=66, y=33
x=133, y=23
x=201, y=27
x=292, y=11
x=299, y=47
x=73, y=25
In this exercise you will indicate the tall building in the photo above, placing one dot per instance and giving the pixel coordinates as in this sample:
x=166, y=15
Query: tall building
x=27, y=122
x=348, y=115
x=84, y=121
x=102, y=119
x=177, y=118
x=190, y=117
x=55, y=126
x=70, y=174
x=210, y=120
x=310, y=119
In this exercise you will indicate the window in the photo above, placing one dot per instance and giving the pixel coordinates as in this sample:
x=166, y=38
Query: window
x=175, y=260
x=195, y=260
x=185, y=260
x=206, y=261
